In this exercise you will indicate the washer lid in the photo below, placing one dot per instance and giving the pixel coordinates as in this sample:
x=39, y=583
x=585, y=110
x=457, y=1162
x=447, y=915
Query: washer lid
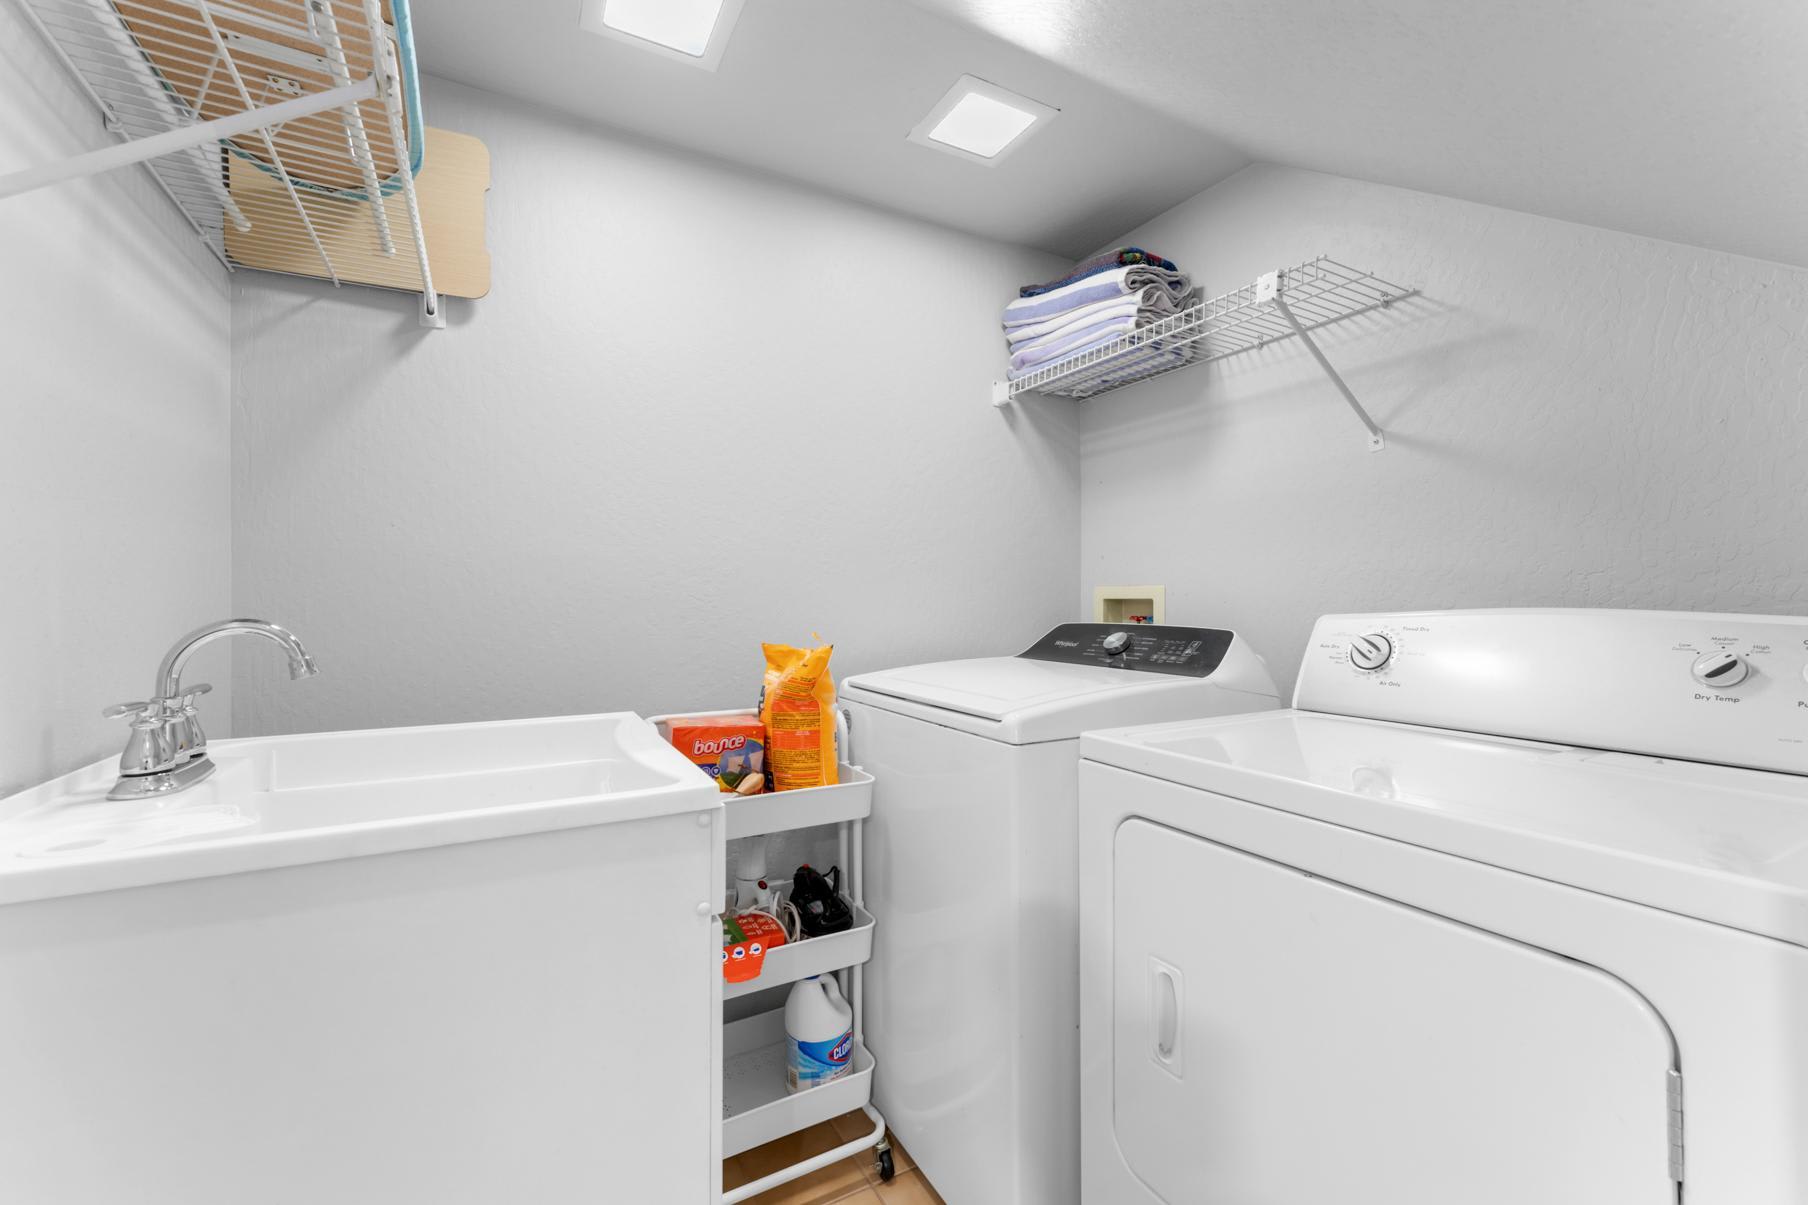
x=1022, y=701
x=995, y=687
x=1718, y=843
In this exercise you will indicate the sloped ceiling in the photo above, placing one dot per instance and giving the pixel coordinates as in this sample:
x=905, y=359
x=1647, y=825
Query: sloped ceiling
x=1680, y=119
x=1684, y=120
x=825, y=92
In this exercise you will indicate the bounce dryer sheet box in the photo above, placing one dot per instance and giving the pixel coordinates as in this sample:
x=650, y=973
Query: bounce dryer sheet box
x=729, y=748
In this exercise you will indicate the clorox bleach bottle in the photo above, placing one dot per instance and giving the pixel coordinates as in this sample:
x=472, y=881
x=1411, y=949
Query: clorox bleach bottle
x=819, y=1033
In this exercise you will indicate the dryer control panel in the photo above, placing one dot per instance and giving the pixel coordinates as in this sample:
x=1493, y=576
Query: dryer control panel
x=1148, y=647
x=1708, y=687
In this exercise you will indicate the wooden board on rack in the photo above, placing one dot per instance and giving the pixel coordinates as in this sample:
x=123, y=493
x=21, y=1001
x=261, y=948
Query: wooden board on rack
x=277, y=57
x=454, y=176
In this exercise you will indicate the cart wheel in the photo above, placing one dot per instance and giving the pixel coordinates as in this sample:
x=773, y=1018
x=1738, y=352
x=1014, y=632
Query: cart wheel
x=886, y=1170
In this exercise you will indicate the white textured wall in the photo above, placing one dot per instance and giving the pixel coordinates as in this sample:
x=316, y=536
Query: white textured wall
x=698, y=410
x=114, y=482
x=1575, y=417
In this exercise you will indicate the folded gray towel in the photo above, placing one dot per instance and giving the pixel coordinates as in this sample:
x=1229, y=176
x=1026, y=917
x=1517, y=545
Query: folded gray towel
x=1116, y=282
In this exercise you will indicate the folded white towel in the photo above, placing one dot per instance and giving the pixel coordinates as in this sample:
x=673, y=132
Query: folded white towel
x=1037, y=353
x=1155, y=299
x=1020, y=337
x=1106, y=285
x=1059, y=347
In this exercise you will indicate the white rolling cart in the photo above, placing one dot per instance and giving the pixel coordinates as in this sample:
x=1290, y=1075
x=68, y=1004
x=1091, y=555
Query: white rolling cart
x=756, y=1108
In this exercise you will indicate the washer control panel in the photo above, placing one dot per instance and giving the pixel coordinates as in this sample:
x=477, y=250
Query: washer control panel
x=1148, y=647
x=1706, y=687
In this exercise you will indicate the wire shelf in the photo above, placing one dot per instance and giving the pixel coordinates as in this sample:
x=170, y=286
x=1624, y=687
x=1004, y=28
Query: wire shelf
x=1318, y=292
x=284, y=130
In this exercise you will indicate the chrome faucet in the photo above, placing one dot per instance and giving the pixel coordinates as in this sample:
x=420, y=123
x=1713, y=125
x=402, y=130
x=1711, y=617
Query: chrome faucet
x=167, y=750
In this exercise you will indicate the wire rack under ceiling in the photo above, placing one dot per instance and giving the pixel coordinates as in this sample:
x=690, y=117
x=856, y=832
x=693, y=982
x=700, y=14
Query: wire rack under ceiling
x=286, y=131
x=1280, y=305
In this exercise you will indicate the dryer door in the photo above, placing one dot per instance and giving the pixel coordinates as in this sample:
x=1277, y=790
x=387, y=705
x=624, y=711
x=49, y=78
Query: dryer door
x=1284, y=1040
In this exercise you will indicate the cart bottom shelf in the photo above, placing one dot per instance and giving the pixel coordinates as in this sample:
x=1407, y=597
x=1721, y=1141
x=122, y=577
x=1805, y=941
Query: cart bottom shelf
x=755, y=1106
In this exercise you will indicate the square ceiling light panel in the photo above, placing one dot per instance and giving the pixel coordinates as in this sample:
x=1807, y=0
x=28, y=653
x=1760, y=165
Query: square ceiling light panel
x=981, y=121
x=691, y=31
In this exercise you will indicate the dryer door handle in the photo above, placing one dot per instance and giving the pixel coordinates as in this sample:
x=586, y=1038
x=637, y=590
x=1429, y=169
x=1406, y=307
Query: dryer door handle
x=1167, y=1000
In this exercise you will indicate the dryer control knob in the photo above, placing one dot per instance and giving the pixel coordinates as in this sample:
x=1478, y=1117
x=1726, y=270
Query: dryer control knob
x=1720, y=669
x=1115, y=643
x=1371, y=652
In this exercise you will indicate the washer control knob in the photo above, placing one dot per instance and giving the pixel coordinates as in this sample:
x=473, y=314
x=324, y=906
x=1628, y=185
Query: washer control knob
x=1371, y=652
x=1115, y=643
x=1720, y=669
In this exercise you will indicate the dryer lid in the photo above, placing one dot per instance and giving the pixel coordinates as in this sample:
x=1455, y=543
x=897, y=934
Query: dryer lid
x=1718, y=843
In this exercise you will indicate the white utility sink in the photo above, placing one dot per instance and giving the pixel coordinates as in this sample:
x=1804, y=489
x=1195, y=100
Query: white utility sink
x=460, y=964
x=287, y=800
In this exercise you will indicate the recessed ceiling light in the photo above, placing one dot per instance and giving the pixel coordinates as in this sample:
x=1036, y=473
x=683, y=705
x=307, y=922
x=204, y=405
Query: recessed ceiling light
x=980, y=121
x=693, y=31
x=982, y=125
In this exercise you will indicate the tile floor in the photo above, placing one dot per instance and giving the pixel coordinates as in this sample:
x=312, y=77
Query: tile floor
x=853, y=1181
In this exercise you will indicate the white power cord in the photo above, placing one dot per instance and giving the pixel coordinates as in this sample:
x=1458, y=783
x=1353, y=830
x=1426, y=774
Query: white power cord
x=783, y=913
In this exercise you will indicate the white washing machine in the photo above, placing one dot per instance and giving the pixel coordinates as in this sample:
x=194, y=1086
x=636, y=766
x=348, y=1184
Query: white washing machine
x=972, y=1009
x=1510, y=907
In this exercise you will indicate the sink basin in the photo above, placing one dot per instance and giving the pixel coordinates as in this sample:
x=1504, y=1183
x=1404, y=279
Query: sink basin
x=461, y=964
x=289, y=800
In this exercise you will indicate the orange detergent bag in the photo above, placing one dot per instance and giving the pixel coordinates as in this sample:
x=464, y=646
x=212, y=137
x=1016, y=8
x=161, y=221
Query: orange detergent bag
x=798, y=709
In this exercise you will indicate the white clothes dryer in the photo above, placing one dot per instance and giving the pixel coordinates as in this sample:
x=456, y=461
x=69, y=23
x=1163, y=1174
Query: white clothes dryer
x=1510, y=907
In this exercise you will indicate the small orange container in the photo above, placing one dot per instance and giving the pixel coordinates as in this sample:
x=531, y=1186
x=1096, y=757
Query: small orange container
x=746, y=936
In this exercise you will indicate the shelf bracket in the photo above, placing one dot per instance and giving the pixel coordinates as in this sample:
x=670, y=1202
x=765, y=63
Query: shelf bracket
x=433, y=311
x=1001, y=394
x=1268, y=289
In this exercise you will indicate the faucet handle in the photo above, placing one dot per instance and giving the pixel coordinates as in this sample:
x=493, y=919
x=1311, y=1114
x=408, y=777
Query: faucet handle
x=149, y=749
x=186, y=737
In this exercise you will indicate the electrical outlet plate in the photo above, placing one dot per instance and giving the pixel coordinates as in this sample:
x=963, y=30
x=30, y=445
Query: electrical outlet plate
x=1129, y=604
